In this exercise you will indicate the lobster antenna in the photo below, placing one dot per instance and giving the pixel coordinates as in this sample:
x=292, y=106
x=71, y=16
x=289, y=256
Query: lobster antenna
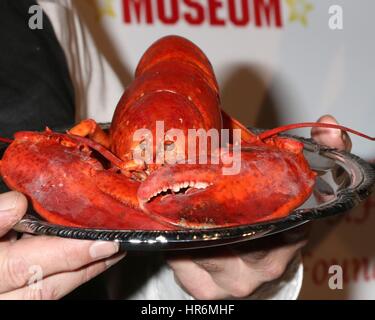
x=272, y=132
x=99, y=148
x=5, y=140
x=124, y=165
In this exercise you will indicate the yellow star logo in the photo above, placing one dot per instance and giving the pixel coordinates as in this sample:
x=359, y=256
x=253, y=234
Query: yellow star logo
x=298, y=10
x=105, y=8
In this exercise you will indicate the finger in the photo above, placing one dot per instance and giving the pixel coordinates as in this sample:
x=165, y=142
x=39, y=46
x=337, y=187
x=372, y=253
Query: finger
x=11, y=237
x=52, y=255
x=333, y=138
x=12, y=208
x=8, y=239
x=59, y=285
x=195, y=280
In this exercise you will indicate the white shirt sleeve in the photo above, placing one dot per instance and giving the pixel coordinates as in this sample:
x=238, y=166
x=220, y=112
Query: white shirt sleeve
x=97, y=87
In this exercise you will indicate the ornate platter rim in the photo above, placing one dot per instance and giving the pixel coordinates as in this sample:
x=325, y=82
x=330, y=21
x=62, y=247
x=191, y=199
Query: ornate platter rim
x=197, y=238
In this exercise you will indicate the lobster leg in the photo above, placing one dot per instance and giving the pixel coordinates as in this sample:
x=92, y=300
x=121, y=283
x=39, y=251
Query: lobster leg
x=90, y=128
x=175, y=48
x=247, y=137
x=99, y=141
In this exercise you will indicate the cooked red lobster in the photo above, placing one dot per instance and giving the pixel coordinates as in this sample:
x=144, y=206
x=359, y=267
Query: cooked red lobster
x=91, y=178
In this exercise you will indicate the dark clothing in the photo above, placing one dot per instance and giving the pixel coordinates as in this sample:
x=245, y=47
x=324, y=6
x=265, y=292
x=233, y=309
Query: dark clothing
x=35, y=86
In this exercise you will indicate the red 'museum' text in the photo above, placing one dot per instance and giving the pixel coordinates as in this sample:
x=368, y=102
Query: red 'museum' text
x=241, y=13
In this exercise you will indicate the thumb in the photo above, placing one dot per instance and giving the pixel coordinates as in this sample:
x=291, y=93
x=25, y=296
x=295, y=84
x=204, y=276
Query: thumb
x=333, y=138
x=12, y=208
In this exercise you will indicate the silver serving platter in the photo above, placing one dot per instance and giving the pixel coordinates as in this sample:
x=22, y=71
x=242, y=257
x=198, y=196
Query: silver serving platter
x=344, y=180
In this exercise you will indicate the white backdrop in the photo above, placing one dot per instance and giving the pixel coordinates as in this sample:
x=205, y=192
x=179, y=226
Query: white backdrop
x=273, y=75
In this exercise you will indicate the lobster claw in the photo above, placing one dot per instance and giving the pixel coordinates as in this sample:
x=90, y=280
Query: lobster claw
x=202, y=196
x=68, y=185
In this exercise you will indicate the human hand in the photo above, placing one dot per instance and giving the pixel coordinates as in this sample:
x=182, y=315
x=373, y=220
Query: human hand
x=40, y=267
x=237, y=271
x=333, y=138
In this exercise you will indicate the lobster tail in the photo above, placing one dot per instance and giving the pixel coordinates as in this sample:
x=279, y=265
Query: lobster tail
x=181, y=50
x=179, y=72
